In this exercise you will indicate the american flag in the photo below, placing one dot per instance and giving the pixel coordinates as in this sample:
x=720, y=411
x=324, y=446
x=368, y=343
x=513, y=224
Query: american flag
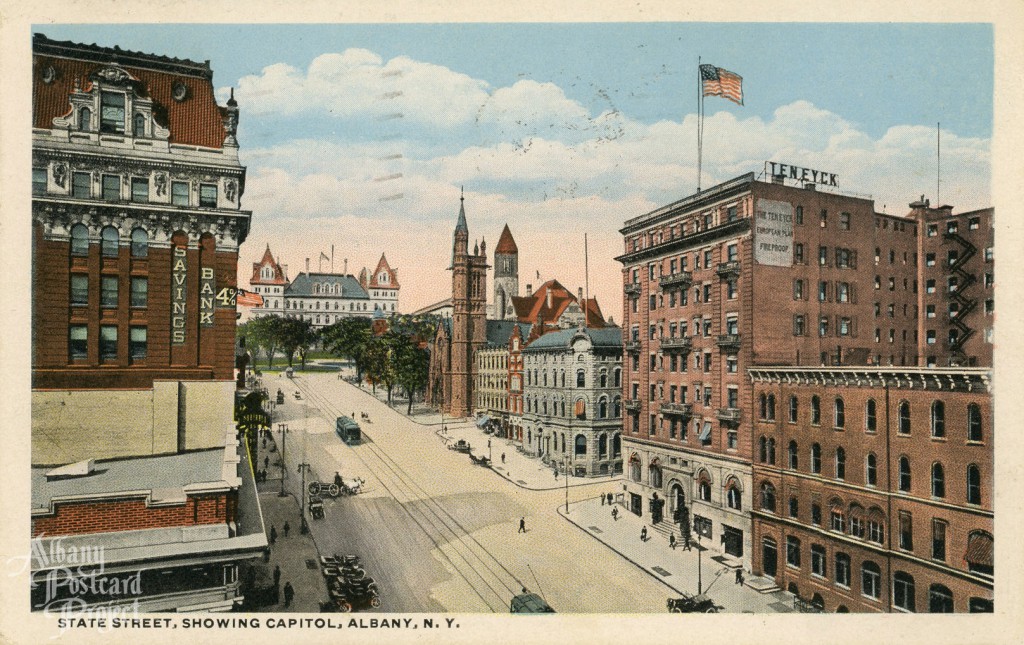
x=722, y=82
x=245, y=298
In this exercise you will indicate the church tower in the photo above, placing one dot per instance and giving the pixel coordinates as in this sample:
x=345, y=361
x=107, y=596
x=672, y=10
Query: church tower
x=506, y=275
x=469, y=309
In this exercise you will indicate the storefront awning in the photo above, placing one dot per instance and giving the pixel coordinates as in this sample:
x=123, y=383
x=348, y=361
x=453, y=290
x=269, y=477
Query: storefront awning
x=979, y=550
x=482, y=421
x=706, y=432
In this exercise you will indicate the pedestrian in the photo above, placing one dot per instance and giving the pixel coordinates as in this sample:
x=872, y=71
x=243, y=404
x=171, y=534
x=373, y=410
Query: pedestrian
x=556, y=474
x=273, y=534
x=266, y=461
x=289, y=594
x=686, y=544
x=643, y=534
x=266, y=554
x=277, y=575
x=615, y=514
x=502, y=457
x=264, y=442
x=286, y=529
x=672, y=541
x=337, y=479
x=522, y=525
x=602, y=499
x=739, y=576
x=609, y=499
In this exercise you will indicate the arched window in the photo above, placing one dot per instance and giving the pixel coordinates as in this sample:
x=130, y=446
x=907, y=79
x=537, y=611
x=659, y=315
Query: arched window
x=581, y=445
x=871, y=416
x=794, y=409
x=767, y=497
x=580, y=409
x=871, y=470
x=771, y=451
x=634, y=468
x=840, y=413
x=771, y=407
x=602, y=407
x=704, y=486
x=938, y=419
x=617, y=407
x=79, y=239
x=904, y=484
x=871, y=580
x=940, y=599
x=980, y=547
x=604, y=379
x=617, y=378
x=794, y=507
x=904, y=418
x=938, y=481
x=973, y=484
x=734, y=496
x=763, y=445
x=602, y=446
x=109, y=242
x=139, y=126
x=840, y=463
x=815, y=410
x=655, y=475
x=581, y=378
x=794, y=460
x=85, y=120
x=973, y=422
x=140, y=243
x=616, y=445
x=903, y=591
x=764, y=405
x=816, y=458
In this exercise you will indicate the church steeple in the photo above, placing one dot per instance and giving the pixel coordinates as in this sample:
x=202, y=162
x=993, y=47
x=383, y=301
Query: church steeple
x=460, y=241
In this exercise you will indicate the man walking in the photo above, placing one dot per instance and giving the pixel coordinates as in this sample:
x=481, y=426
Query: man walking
x=502, y=457
x=643, y=534
x=522, y=525
x=277, y=575
x=739, y=576
x=273, y=534
x=289, y=594
x=286, y=529
x=672, y=541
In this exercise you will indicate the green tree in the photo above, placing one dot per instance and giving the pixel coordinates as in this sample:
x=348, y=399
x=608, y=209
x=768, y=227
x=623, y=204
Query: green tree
x=411, y=366
x=295, y=335
x=349, y=338
x=380, y=367
x=261, y=337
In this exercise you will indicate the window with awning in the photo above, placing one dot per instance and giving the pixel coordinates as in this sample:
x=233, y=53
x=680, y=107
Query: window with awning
x=980, y=550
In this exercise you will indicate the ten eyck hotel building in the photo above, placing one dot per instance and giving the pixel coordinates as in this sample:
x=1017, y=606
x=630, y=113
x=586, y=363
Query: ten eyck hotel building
x=810, y=380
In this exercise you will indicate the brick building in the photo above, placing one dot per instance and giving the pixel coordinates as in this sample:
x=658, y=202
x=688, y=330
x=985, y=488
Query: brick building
x=136, y=227
x=874, y=486
x=750, y=273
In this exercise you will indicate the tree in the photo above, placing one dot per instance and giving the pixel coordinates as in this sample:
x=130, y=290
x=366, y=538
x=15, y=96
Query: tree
x=295, y=335
x=411, y=366
x=380, y=366
x=261, y=335
x=349, y=338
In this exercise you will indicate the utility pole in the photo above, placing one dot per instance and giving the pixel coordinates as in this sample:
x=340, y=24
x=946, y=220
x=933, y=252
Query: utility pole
x=283, y=428
x=566, y=478
x=304, y=527
x=699, y=584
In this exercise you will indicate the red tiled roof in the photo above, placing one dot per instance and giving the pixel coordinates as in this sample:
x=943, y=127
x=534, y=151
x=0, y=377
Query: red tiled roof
x=268, y=260
x=383, y=265
x=527, y=308
x=506, y=245
x=197, y=120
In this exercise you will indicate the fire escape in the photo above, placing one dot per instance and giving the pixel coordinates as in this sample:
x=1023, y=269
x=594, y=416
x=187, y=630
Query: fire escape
x=958, y=294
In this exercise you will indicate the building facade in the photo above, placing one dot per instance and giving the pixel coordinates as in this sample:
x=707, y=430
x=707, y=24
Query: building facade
x=572, y=400
x=506, y=276
x=491, y=369
x=137, y=222
x=749, y=273
x=270, y=280
x=874, y=487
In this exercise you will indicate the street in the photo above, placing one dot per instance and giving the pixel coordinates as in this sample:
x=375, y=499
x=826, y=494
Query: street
x=438, y=533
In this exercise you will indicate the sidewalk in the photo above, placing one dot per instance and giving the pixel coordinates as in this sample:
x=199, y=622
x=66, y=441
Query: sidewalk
x=675, y=568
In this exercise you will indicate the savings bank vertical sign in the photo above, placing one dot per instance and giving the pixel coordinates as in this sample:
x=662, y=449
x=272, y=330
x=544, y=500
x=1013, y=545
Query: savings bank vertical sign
x=179, y=273
x=773, y=233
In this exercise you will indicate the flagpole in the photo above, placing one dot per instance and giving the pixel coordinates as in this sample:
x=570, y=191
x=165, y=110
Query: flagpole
x=586, y=282
x=938, y=163
x=700, y=121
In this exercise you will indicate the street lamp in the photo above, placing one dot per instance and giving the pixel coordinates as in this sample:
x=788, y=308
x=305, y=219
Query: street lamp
x=566, y=478
x=699, y=582
x=283, y=429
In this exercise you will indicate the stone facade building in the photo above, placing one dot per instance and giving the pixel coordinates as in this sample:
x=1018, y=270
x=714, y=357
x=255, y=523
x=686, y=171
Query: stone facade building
x=572, y=400
x=874, y=487
x=136, y=224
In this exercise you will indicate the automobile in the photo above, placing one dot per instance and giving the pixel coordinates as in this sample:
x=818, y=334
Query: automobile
x=460, y=446
x=529, y=603
x=692, y=604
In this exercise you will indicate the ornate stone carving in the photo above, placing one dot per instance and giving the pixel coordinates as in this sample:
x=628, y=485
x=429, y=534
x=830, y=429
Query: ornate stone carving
x=113, y=75
x=161, y=183
x=49, y=74
x=60, y=174
x=179, y=91
x=229, y=189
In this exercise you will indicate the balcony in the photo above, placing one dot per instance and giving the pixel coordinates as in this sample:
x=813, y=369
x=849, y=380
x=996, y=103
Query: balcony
x=631, y=346
x=729, y=415
x=632, y=289
x=729, y=343
x=729, y=269
x=684, y=344
x=632, y=405
x=680, y=279
x=678, y=409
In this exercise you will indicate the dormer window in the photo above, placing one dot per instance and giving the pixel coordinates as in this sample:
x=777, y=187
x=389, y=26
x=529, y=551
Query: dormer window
x=139, y=126
x=112, y=112
x=85, y=119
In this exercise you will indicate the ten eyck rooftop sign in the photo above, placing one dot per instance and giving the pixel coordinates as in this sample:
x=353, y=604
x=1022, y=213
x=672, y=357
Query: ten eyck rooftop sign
x=788, y=171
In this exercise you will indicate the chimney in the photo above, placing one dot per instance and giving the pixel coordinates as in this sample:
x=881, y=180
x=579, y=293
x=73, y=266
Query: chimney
x=778, y=179
x=284, y=270
x=307, y=265
x=579, y=292
x=548, y=300
x=529, y=290
x=809, y=186
x=346, y=266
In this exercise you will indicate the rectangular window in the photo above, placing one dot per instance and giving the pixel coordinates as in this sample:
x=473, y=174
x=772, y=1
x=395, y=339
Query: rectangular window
x=731, y=290
x=112, y=112
x=842, y=569
x=77, y=342
x=929, y=259
x=81, y=185
x=108, y=342
x=823, y=255
x=799, y=215
x=707, y=293
x=818, y=560
x=932, y=230
x=938, y=540
x=822, y=291
x=111, y=188
x=733, y=398
x=140, y=292
x=816, y=514
x=823, y=326
x=732, y=252
x=707, y=361
x=707, y=327
x=731, y=365
x=798, y=325
x=140, y=189
x=793, y=551
x=798, y=289
x=730, y=214
x=137, y=343
x=79, y=289
x=824, y=218
x=108, y=291
x=38, y=181
x=844, y=221
x=798, y=253
x=208, y=195
x=906, y=531
x=707, y=258
x=844, y=326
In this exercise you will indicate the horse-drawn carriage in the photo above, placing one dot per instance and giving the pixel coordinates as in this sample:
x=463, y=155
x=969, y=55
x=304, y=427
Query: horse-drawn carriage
x=460, y=446
x=688, y=604
x=480, y=461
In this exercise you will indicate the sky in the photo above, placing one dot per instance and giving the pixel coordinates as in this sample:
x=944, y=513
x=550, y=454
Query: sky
x=362, y=136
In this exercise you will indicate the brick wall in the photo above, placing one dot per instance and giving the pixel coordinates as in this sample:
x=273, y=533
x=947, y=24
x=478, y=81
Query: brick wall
x=129, y=515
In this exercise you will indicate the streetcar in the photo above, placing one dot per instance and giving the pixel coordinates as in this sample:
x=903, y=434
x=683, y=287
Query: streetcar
x=348, y=430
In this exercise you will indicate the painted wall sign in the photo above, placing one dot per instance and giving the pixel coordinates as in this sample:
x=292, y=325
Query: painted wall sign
x=773, y=233
x=179, y=273
x=207, y=289
x=799, y=173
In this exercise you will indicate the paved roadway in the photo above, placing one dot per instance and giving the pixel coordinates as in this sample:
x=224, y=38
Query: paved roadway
x=438, y=533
